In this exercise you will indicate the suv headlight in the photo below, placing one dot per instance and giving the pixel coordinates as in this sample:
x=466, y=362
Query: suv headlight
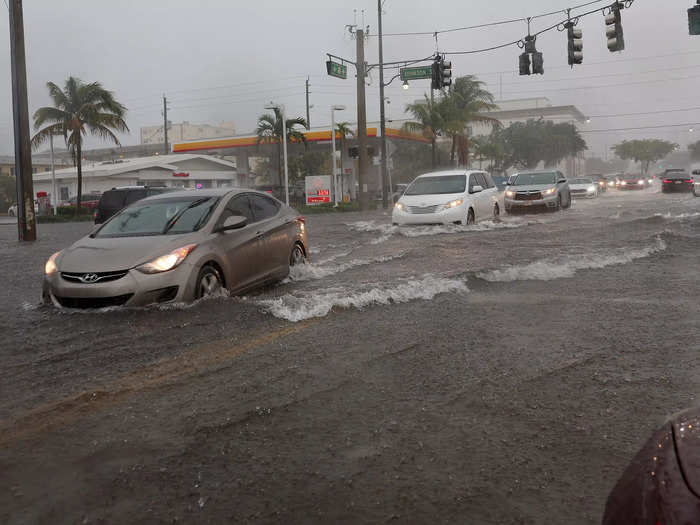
x=550, y=191
x=510, y=193
x=51, y=267
x=168, y=261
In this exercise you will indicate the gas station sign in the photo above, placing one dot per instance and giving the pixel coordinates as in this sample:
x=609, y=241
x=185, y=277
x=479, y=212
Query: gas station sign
x=318, y=189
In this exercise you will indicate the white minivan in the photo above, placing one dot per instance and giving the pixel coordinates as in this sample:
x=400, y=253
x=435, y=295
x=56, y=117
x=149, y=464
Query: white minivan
x=448, y=197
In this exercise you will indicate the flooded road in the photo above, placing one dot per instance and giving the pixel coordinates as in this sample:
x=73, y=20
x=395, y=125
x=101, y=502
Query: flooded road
x=504, y=372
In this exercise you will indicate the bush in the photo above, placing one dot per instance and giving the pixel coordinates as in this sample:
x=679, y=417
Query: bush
x=69, y=211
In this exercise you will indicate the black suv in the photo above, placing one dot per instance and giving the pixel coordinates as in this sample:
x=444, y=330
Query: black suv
x=117, y=198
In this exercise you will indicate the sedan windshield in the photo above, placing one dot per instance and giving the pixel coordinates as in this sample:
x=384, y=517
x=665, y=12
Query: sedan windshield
x=160, y=217
x=438, y=185
x=581, y=181
x=534, y=179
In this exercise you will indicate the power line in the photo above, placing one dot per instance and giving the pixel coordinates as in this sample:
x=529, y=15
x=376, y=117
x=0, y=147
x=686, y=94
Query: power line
x=492, y=24
x=603, y=86
x=687, y=125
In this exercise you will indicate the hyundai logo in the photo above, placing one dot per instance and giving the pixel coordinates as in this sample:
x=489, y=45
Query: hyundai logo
x=90, y=278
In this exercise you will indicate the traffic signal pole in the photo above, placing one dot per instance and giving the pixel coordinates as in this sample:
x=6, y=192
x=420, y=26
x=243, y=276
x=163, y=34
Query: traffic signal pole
x=26, y=221
x=362, y=119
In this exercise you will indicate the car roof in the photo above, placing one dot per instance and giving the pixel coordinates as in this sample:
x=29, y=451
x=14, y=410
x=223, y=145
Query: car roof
x=447, y=173
x=209, y=192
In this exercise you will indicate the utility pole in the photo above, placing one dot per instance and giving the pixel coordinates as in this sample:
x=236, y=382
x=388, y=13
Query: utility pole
x=308, y=113
x=382, y=118
x=166, y=147
x=362, y=119
x=26, y=221
x=54, y=196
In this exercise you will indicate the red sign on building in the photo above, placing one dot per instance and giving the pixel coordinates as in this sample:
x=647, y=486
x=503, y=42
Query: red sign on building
x=180, y=174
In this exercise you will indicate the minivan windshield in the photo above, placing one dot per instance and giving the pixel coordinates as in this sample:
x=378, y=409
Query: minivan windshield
x=533, y=179
x=160, y=217
x=438, y=185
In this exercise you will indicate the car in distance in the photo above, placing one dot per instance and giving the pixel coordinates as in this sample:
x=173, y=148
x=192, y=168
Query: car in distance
x=448, y=197
x=600, y=181
x=583, y=187
x=633, y=182
x=696, y=183
x=115, y=199
x=538, y=190
x=179, y=247
x=677, y=180
x=88, y=201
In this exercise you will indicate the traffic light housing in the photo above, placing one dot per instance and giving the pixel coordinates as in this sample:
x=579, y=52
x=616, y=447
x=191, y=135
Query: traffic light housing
x=537, y=63
x=525, y=64
x=575, y=40
x=694, y=19
x=435, y=77
x=613, y=28
x=445, y=73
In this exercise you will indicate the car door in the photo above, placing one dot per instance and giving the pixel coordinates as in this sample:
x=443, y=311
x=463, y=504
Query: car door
x=490, y=194
x=482, y=198
x=272, y=232
x=241, y=247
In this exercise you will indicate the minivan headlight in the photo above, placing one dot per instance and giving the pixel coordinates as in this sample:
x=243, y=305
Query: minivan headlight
x=452, y=204
x=398, y=206
x=168, y=261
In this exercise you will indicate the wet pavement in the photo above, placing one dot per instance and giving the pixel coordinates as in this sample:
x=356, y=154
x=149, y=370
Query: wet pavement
x=499, y=373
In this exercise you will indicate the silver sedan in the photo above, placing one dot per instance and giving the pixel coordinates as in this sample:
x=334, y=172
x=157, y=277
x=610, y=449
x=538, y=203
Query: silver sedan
x=179, y=247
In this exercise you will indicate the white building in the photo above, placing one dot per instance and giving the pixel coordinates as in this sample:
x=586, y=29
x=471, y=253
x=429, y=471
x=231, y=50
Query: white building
x=181, y=171
x=186, y=131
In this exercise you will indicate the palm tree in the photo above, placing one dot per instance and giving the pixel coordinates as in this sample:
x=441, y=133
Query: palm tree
x=429, y=122
x=344, y=130
x=79, y=109
x=466, y=102
x=270, y=131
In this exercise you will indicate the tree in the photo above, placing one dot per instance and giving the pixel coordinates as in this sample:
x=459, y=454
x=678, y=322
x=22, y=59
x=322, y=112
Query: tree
x=644, y=151
x=428, y=122
x=526, y=144
x=694, y=151
x=79, y=109
x=465, y=102
x=8, y=191
x=270, y=131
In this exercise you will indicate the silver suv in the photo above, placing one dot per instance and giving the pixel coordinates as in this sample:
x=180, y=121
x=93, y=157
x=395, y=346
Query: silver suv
x=537, y=190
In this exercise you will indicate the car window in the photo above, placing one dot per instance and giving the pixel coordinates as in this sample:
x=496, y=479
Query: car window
x=263, y=207
x=488, y=180
x=237, y=206
x=113, y=199
x=134, y=195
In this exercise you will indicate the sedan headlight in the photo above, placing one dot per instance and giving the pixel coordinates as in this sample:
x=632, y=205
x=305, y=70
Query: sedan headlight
x=398, y=206
x=51, y=267
x=623, y=183
x=452, y=204
x=611, y=183
x=650, y=181
x=510, y=193
x=550, y=191
x=641, y=183
x=591, y=189
x=168, y=261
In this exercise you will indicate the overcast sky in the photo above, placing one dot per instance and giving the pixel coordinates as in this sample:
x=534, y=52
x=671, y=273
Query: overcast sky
x=223, y=60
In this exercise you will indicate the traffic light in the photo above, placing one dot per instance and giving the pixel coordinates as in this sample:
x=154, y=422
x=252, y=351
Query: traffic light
x=575, y=37
x=613, y=28
x=435, y=81
x=694, y=19
x=445, y=73
x=525, y=64
x=537, y=63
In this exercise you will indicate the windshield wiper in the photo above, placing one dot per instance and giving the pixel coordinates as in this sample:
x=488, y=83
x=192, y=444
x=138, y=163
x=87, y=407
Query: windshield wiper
x=179, y=214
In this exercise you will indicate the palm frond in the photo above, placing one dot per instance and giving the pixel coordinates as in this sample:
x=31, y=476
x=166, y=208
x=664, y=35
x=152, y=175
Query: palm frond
x=43, y=136
x=50, y=115
x=104, y=133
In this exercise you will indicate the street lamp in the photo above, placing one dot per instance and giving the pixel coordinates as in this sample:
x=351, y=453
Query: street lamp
x=405, y=84
x=335, y=167
x=284, y=147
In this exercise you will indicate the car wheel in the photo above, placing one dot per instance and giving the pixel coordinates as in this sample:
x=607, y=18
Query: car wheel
x=209, y=282
x=470, y=217
x=297, y=256
x=496, y=211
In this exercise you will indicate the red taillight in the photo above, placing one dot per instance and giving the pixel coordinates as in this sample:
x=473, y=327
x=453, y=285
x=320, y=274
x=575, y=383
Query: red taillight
x=666, y=181
x=689, y=181
x=301, y=219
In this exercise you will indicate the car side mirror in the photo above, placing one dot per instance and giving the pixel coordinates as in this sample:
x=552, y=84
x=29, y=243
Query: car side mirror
x=477, y=189
x=561, y=181
x=235, y=222
x=506, y=183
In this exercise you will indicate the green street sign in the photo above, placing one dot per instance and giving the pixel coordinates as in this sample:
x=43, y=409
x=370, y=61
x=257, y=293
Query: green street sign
x=337, y=70
x=416, y=73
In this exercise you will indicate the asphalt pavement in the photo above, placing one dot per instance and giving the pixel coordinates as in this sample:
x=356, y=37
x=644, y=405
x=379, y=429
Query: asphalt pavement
x=499, y=373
